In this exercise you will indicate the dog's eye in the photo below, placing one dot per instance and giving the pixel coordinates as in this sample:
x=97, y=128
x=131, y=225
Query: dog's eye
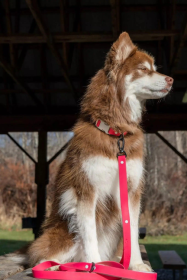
x=142, y=68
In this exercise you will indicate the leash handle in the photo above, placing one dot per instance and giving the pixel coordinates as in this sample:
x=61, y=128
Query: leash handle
x=80, y=271
x=103, y=270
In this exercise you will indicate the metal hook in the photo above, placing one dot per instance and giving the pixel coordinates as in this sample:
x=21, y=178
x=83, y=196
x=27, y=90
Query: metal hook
x=92, y=267
x=121, y=145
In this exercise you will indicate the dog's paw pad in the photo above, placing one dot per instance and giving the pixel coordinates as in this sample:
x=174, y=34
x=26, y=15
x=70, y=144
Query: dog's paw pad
x=53, y=268
x=141, y=267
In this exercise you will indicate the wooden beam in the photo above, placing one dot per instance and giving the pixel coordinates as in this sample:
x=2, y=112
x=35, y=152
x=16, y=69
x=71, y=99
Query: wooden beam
x=25, y=47
x=11, y=57
x=100, y=8
x=171, y=147
x=182, y=39
x=17, y=30
x=17, y=15
x=152, y=122
x=38, y=90
x=21, y=148
x=52, y=78
x=37, y=122
x=8, y=69
x=115, y=13
x=154, y=35
x=44, y=75
x=75, y=29
x=6, y=88
x=33, y=6
x=63, y=27
x=180, y=72
x=41, y=179
x=4, y=74
x=172, y=25
x=81, y=90
x=160, y=26
x=10, y=54
x=9, y=32
x=75, y=78
x=58, y=153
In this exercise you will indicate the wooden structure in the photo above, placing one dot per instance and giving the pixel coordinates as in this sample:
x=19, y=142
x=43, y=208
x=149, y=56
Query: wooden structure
x=171, y=260
x=11, y=271
x=50, y=49
x=142, y=233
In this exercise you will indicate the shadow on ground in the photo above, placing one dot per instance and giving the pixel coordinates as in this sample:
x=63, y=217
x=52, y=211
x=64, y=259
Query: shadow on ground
x=9, y=246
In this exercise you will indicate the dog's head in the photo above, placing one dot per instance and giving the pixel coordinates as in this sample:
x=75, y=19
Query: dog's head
x=116, y=93
x=134, y=72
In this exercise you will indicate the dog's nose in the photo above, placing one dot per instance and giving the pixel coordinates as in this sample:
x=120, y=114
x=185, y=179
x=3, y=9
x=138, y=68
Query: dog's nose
x=169, y=80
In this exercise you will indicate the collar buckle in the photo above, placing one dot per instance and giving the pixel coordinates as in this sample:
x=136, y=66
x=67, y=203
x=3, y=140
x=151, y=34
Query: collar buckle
x=102, y=126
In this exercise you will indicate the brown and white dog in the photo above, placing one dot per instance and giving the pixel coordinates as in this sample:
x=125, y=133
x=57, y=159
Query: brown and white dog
x=85, y=222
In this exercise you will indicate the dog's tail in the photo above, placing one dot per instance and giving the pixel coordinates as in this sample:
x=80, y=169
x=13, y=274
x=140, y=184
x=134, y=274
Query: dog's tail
x=20, y=256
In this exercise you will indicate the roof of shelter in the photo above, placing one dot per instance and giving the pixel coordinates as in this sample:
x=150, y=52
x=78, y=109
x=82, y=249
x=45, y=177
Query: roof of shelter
x=49, y=50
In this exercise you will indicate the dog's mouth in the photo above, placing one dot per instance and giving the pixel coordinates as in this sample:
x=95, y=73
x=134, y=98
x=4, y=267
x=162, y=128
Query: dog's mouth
x=164, y=90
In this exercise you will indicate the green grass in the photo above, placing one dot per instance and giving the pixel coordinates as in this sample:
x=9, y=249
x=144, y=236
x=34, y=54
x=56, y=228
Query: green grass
x=13, y=240
x=165, y=242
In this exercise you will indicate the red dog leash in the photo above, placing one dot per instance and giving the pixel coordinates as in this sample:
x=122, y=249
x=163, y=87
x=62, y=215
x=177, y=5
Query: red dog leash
x=104, y=270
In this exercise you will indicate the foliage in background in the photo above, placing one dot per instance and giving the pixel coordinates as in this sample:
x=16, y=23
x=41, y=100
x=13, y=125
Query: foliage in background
x=165, y=198
x=164, y=204
x=17, y=187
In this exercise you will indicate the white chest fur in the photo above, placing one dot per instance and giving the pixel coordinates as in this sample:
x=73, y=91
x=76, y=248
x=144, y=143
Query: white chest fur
x=103, y=175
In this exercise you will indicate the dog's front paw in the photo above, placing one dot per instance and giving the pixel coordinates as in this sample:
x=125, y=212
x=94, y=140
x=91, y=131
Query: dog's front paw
x=95, y=259
x=53, y=268
x=141, y=267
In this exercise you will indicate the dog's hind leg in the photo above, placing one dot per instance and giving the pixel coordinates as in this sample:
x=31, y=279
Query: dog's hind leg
x=55, y=244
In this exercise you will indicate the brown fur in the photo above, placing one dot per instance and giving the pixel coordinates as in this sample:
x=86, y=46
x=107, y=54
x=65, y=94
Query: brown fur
x=103, y=100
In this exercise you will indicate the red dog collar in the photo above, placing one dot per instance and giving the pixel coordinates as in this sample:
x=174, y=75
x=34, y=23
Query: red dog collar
x=107, y=129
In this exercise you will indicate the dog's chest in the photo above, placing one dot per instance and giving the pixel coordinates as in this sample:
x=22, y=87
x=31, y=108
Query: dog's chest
x=103, y=175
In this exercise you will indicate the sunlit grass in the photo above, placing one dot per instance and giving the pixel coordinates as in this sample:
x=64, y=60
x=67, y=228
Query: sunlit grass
x=13, y=240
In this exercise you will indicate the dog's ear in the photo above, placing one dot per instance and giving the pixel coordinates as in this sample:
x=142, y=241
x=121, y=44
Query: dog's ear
x=123, y=47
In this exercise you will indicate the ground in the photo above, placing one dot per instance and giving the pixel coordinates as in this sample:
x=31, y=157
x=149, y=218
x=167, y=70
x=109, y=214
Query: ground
x=12, y=240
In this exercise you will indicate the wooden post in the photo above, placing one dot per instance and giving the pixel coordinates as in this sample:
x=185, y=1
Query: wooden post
x=41, y=179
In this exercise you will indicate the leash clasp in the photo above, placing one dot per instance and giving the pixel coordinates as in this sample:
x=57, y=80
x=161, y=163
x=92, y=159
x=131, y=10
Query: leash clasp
x=92, y=267
x=121, y=145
